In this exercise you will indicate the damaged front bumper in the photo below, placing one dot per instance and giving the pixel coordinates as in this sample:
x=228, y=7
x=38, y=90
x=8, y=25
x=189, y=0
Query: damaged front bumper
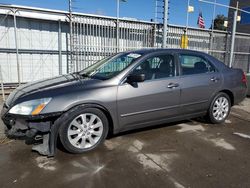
x=38, y=130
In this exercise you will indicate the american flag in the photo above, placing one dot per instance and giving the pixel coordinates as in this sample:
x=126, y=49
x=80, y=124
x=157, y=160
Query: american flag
x=200, y=22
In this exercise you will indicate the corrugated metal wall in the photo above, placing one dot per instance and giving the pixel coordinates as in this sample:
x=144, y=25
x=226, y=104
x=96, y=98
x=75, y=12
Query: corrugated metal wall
x=38, y=49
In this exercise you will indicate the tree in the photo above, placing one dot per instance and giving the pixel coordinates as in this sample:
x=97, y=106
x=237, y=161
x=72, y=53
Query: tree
x=219, y=22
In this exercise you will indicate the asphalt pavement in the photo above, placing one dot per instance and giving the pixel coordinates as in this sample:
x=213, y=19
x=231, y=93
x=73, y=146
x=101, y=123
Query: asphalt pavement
x=185, y=154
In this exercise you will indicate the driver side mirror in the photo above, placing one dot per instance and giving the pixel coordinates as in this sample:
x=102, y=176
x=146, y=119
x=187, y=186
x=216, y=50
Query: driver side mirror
x=134, y=78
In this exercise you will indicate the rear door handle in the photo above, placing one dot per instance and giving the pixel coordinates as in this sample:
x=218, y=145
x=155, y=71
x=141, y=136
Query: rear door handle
x=214, y=79
x=173, y=85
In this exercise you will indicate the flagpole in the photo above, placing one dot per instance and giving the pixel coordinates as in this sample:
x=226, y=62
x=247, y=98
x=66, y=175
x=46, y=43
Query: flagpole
x=165, y=24
x=187, y=17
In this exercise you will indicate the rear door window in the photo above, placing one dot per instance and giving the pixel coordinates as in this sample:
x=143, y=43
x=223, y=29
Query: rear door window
x=192, y=64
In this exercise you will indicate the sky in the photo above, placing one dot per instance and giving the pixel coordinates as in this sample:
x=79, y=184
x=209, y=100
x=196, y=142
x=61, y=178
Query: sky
x=139, y=9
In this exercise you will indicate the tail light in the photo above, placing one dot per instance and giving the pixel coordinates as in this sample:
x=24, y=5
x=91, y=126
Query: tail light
x=244, y=78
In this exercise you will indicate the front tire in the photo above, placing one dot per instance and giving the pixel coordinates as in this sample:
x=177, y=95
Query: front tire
x=219, y=108
x=83, y=129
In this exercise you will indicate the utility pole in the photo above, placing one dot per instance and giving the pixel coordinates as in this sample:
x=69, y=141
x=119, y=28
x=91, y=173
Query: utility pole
x=187, y=17
x=60, y=47
x=71, y=35
x=212, y=33
x=117, y=26
x=165, y=24
x=184, y=38
x=233, y=35
x=17, y=48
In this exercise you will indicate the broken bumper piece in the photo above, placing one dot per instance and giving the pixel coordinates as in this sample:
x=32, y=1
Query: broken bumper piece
x=37, y=130
x=32, y=134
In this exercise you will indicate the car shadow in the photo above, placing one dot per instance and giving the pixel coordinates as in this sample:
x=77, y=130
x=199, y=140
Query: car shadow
x=152, y=127
x=143, y=129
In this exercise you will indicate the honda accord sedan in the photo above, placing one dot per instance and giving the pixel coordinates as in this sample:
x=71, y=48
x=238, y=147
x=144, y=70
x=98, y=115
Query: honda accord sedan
x=125, y=91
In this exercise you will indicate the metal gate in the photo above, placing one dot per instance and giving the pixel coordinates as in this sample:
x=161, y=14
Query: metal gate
x=94, y=38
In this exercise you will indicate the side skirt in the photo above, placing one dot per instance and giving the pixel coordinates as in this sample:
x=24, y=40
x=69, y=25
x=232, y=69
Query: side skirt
x=158, y=122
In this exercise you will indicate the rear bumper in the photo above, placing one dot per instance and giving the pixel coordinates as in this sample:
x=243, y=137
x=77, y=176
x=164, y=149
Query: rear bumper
x=240, y=95
x=32, y=129
x=248, y=84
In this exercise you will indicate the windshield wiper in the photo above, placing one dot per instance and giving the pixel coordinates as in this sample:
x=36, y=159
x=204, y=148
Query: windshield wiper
x=81, y=74
x=89, y=76
x=84, y=75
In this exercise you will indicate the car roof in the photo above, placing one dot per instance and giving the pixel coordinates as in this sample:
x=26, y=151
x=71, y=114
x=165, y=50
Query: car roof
x=176, y=50
x=215, y=61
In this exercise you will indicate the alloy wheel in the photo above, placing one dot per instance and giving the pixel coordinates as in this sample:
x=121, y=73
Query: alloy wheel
x=220, y=108
x=85, y=130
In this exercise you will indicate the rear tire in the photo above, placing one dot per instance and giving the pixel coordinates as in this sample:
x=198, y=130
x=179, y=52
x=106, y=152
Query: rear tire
x=83, y=129
x=219, y=108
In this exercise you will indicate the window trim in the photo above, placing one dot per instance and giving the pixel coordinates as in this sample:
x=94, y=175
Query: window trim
x=196, y=55
x=177, y=73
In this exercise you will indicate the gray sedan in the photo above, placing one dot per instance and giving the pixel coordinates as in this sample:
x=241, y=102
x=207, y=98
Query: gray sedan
x=126, y=91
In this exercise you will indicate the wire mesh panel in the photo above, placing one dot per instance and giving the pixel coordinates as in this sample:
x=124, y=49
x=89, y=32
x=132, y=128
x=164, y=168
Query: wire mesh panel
x=197, y=39
x=216, y=43
x=219, y=46
x=95, y=38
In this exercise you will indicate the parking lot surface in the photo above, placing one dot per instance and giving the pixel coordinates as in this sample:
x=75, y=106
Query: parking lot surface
x=185, y=154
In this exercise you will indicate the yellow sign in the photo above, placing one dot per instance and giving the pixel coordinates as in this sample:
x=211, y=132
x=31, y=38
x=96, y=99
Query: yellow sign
x=190, y=9
x=184, y=41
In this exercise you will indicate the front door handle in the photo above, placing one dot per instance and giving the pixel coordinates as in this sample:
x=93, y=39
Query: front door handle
x=173, y=85
x=214, y=79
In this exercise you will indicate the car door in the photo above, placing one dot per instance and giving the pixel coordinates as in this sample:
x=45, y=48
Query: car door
x=155, y=99
x=199, y=80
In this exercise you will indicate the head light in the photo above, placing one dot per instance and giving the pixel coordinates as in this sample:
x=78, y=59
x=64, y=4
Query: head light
x=32, y=107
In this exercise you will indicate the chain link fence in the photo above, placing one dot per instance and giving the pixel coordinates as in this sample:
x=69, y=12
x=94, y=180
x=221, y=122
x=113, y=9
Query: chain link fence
x=44, y=47
x=95, y=38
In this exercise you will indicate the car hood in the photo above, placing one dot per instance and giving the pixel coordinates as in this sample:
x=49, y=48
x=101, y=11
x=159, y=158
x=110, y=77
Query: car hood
x=64, y=82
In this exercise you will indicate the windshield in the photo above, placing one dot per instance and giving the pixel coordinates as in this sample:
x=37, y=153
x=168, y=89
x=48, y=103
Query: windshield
x=110, y=66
